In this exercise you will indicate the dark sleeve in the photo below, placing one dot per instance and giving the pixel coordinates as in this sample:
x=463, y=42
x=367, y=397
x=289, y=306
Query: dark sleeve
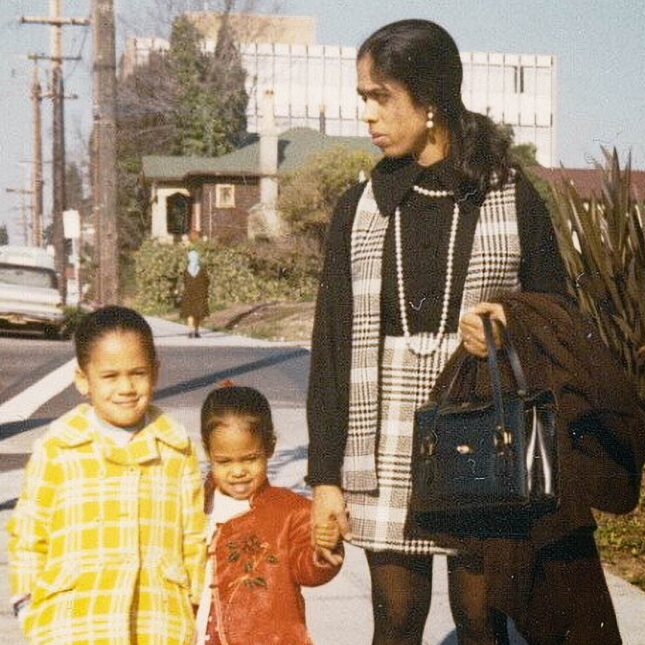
x=328, y=394
x=541, y=267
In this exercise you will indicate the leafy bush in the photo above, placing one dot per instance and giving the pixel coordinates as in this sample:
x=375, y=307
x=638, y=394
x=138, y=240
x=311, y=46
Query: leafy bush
x=260, y=272
x=157, y=268
x=72, y=318
x=292, y=260
x=308, y=195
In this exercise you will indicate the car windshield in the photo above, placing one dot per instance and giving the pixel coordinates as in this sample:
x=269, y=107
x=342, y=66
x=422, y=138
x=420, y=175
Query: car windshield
x=27, y=276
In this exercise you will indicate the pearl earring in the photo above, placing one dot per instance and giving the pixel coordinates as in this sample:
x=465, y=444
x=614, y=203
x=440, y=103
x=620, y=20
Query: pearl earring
x=430, y=121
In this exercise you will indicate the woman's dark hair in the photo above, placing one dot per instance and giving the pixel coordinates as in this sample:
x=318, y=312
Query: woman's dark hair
x=238, y=401
x=424, y=58
x=106, y=320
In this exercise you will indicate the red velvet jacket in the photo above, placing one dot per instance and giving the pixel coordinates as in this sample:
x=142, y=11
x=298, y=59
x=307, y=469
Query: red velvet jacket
x=260, y=560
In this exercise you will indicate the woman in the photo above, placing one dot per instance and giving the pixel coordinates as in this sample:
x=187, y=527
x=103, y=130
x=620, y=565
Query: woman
x=194, y=301
x=443, y=227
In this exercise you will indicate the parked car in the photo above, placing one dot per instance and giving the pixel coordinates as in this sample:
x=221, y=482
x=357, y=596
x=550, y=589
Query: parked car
x=29, y=296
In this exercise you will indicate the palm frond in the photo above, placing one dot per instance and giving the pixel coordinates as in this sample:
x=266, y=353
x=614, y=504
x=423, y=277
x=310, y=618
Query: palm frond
x=602, y=243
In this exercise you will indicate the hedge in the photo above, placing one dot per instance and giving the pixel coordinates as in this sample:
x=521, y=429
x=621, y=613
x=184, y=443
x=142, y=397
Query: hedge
x=243, y=273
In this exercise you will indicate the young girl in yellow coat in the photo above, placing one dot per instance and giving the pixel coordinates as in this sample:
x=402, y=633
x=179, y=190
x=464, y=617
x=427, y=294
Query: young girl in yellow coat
x=107, y=541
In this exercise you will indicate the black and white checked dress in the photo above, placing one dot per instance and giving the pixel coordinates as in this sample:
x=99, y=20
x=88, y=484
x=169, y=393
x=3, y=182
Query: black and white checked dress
x=376, y=476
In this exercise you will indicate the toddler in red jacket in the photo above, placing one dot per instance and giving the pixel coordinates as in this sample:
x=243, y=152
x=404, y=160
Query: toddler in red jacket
x=260, y=538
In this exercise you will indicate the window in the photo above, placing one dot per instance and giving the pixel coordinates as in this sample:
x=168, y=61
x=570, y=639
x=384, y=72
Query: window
x=516, y=78
x=225, y=196
x=28, y=276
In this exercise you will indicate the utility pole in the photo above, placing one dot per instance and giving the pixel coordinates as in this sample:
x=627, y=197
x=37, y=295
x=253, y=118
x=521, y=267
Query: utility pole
x=37, y=161
x=104, y=147
x=37, y=146
x=58, y=131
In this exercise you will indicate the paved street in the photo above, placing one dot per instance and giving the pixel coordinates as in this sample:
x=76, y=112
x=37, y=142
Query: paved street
x=338, y=613
x=25, y=359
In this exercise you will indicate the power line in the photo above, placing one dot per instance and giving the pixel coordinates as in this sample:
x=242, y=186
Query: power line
x=79, y=55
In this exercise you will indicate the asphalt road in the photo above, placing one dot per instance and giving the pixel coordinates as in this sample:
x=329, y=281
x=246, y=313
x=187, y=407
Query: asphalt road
x=24, y=359
x=187, y=374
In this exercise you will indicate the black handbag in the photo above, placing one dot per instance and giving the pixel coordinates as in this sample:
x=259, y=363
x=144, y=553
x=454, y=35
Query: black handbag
x=494, y=455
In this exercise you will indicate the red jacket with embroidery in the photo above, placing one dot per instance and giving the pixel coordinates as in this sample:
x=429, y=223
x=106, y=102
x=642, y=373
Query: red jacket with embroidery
x=260, y=560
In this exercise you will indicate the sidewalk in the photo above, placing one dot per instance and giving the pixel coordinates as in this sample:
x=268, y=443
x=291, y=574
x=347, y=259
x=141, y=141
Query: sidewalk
x=338, y=613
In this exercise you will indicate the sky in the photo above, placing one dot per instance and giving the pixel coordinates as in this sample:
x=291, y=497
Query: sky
x=599, y=44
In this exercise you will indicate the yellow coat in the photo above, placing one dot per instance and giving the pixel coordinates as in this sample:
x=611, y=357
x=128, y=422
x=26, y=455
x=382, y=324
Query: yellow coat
x=109, y=541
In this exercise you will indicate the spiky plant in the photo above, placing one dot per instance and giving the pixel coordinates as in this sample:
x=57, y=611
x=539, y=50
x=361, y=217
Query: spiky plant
x=603, y=246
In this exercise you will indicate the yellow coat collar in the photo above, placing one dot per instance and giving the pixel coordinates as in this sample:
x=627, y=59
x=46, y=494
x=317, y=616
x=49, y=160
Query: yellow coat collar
x=75, y=429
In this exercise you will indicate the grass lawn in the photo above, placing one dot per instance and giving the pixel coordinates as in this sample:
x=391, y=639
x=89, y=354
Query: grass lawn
x=621, y=540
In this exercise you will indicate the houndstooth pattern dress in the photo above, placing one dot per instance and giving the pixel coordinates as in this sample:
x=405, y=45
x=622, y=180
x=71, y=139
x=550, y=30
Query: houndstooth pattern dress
x=376, y=473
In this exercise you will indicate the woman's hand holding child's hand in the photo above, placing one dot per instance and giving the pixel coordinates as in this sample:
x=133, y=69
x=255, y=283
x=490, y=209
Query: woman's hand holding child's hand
x=329, y=520
x=329, y=545
x=327, y=535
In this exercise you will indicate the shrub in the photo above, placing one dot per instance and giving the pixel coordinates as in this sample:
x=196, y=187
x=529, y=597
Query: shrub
x=258, y=272
x=157, y=268
x=308, y=195
x=72, y=318
x=603, y=247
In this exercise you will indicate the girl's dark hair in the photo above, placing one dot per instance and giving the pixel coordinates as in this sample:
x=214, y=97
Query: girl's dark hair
x=106, y=320
x=238, y=401
x=424, y=58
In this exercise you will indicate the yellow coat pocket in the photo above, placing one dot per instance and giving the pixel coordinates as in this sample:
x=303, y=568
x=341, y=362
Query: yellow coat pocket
x=53, y=581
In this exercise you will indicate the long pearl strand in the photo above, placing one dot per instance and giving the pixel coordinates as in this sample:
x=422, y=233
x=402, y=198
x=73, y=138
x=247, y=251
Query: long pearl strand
x=449, y=266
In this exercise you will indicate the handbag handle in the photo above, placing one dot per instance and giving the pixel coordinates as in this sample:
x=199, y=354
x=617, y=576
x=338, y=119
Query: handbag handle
x=495, y=377
x=493, y=367
x=511, y=354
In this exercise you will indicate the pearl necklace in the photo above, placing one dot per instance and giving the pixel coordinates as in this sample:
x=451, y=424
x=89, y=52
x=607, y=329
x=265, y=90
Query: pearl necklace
x=449, y=266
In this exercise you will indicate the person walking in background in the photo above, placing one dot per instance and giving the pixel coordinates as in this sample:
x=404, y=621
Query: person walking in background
x=260, y=552
x=107, y=540
x=443, y=229
x=194, y=300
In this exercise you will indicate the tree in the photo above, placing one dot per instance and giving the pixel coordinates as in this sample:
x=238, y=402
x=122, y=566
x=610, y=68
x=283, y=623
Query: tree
x=210, y=99
x=229, y=77
x=186, y=102
x=75, y=191
x=4, y=235
x=307, y=196
x=525, y=154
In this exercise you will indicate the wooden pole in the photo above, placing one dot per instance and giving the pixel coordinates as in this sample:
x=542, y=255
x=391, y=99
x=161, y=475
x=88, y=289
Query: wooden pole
x=37, y=162
x=104, y=146
x=58, y=148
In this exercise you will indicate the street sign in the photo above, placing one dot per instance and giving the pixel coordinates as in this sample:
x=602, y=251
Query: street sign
x=71, y=224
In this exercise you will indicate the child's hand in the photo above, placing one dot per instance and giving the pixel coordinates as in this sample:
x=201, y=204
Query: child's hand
x=327, y=535
x=329, y=507
x=328, y=544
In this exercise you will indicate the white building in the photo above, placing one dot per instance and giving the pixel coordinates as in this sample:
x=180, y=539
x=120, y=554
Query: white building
x=315, y=86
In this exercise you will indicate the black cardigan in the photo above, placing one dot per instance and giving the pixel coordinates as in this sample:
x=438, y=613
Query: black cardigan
x=425, y=225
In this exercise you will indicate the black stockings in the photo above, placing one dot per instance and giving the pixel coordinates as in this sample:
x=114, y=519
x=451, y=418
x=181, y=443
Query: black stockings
x=401, y=592
x=476, y=623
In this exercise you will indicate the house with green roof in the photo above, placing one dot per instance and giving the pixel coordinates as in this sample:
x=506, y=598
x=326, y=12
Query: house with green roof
x=232, y=197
